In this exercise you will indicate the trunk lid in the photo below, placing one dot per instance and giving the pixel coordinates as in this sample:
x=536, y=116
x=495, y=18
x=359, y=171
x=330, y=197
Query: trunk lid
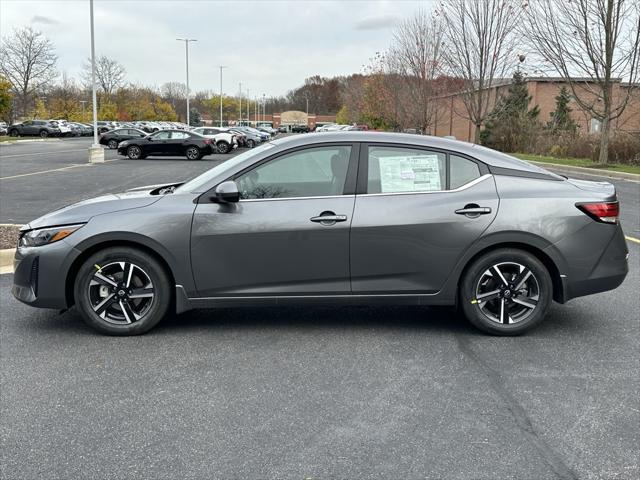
x=601, y=190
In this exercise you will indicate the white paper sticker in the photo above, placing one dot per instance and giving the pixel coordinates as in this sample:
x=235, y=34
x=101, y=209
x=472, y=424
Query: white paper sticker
x=420, y=173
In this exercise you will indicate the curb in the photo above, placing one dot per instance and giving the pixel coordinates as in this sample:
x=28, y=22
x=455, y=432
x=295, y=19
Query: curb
x=29, y=140
x=596, y=172
x=6, y=260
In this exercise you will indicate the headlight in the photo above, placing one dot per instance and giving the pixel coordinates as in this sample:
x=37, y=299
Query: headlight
x=43, y=236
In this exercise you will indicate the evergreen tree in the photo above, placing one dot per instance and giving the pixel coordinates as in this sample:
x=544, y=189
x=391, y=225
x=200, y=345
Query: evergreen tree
x=561, y=121
x=511, y=123
x=195, y=119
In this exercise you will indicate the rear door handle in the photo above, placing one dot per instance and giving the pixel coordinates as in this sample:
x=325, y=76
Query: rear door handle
x=329, y=218
x=473, y=210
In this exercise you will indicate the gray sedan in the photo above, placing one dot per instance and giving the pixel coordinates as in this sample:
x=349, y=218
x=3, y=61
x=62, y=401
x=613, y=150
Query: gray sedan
x=338, y=218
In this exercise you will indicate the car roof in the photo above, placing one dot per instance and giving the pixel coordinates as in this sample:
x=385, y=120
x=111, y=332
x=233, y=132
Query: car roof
x=484, y=154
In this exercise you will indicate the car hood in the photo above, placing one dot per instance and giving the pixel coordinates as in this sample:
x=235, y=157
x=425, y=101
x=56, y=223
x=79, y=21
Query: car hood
x=83, y=211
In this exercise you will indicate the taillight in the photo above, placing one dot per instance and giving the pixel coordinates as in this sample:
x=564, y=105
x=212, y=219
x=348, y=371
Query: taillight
x=207, y=141
x=606, y=212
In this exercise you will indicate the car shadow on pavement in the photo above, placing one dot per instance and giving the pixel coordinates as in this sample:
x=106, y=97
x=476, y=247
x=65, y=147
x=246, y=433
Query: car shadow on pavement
x=311, y=319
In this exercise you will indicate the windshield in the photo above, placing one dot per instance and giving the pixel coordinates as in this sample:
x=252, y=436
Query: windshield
x=196, y=184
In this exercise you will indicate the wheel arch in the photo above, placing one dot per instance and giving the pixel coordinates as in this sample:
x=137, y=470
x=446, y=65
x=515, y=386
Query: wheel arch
x=72, y=272
x=536, y=251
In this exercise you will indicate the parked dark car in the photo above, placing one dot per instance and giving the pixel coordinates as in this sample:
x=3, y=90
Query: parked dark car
x=338, y=218
x=41, y=128
x=300, y=129
x=112, y=138
x=80, y=129
x=168, y=143
x=252, y=138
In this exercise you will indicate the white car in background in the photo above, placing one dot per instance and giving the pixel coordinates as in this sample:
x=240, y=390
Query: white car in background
x=224, y=139
x=65, y=128
x=327, y=128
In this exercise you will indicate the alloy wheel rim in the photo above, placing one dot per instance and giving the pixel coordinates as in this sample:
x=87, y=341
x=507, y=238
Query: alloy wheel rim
x=121, y=293
x=134, y=152
x=507, y=293
x=113, y=144
x=192, y=153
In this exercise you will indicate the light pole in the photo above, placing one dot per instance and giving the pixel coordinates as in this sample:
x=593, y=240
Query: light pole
x=83, y=102
x=186, y=50
x=96, y=153
x=248, y=106
x=221, y=67
x=240, y=104
x=264, y=109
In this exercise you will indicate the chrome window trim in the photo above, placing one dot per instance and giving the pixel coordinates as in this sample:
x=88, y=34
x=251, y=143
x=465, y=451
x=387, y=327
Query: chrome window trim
x=292, y=198
x=463, y=187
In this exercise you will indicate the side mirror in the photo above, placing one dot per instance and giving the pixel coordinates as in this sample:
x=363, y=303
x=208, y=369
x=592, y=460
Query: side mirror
x=226, y=192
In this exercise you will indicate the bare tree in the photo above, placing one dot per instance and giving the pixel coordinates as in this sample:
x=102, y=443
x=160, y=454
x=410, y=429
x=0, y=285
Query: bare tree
x=109, y=74
x=28, y=61
x=479, y=44
x=592, y=44
x=416, y=55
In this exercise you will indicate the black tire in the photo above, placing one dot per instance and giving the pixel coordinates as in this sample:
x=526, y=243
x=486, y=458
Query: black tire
x=44, y=134
x=13, y=133
x=193, y=153
x=134, y=152
x=112, y=144
x=251, y=143
x=152, y=309
x=503, y=313
x=223, y=147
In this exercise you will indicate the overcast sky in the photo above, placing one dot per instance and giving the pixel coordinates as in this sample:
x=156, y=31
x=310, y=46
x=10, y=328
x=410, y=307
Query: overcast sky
x=269, y=46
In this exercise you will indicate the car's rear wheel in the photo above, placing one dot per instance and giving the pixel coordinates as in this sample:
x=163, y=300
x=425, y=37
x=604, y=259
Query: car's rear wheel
x=112, y=144
x=13, y=133
x=44, y=134
x=223, y=147
x=506, y=292
x=122, y=291
x=134, y=152
x=193, y=153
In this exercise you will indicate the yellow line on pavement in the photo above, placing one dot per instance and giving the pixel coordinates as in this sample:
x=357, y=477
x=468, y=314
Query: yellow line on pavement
x=56, y=169
x=633, y=239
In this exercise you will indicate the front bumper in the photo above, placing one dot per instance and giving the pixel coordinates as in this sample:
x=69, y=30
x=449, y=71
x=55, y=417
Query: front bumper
x=40, y=274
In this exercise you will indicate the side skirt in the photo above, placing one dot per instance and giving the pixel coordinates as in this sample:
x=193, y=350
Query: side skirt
x=184, y=303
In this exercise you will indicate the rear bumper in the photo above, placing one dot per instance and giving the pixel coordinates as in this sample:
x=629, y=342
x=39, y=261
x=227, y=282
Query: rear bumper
x=608, y=272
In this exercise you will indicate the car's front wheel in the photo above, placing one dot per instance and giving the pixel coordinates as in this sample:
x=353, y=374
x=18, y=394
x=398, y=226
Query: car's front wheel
x=134, y=152
x=112, y=144
x=13, y=133
x=251, y=143
x=506, y=292
x=193, y=153
x=122, y=291
x=44, y=134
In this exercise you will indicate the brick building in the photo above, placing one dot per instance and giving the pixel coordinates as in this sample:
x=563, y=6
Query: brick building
x=293, y=117
x=452, y=120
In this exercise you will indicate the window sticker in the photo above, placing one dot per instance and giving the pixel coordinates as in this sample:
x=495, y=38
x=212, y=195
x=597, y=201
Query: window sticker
x=420, y=173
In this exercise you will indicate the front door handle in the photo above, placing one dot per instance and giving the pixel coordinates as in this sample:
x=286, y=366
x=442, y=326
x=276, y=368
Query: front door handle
x=472, y=210
x=328, y=218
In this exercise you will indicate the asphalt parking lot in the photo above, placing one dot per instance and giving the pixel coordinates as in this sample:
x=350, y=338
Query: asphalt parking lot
x=385, y=392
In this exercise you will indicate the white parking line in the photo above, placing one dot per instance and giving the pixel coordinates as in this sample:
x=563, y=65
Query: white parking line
x=633, y=239
x=42, y=153
x=76, y=165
